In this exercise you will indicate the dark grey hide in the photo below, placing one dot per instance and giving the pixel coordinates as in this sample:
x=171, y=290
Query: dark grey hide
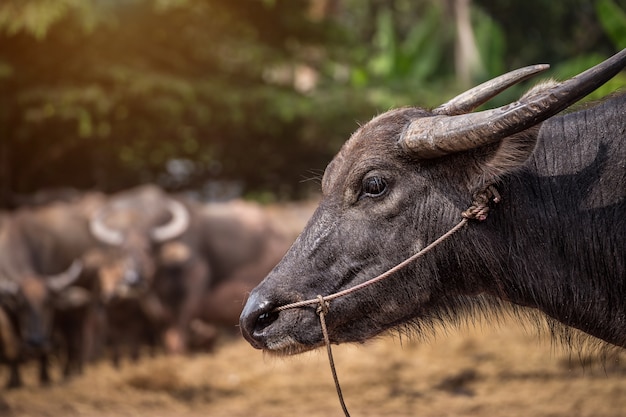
x=555, y=243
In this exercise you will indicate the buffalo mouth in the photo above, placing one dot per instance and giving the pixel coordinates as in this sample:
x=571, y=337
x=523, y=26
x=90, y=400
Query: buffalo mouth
x=292, y=331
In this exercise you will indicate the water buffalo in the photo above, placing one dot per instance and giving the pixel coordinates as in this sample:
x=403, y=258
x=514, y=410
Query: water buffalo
x=119, y=316
x=134, y=224
x=171, y=261
x=554, y=243
x=40, y=250
x=207, y=272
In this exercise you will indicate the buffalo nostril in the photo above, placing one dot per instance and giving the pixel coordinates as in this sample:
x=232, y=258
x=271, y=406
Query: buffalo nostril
x=257, y=315
x=264, y=320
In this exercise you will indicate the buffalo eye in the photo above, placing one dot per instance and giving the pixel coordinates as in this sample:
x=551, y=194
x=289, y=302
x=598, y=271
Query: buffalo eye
x=373, y=187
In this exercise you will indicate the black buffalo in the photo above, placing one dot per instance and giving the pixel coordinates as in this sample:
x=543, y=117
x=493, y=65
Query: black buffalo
x=555, y=243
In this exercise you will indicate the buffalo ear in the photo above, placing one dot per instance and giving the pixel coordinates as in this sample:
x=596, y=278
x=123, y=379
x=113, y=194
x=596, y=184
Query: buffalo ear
x=508, y=156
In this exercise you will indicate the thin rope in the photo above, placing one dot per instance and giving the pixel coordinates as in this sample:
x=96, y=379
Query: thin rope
x=324, y=304
x=477, y=211
x=322, y=310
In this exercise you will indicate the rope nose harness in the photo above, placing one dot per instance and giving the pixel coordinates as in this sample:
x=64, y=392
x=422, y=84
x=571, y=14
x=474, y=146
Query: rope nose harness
x=477, y=211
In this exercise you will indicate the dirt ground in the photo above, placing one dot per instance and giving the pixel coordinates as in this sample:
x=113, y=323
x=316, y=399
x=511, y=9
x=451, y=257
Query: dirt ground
x=487, y=371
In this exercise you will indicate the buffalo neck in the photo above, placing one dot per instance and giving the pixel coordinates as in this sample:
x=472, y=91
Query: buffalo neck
x=559, y=231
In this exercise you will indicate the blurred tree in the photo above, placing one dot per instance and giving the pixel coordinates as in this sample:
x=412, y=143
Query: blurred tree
x=110, y=93
x=548, y=31
x=401, y=51
x=612, y=17
x=105, y=93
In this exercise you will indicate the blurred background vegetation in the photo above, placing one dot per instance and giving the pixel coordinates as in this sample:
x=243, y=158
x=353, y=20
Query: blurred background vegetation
x=251, y=97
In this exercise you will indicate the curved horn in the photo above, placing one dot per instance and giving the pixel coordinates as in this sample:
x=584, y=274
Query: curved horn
x=58, y=282
x=102, y=232
x=176, y=226
x=436, y=136
x=474, y=97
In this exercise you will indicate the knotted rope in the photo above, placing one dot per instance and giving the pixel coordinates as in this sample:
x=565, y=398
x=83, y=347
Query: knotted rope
x=480, y=204
x=477, y=211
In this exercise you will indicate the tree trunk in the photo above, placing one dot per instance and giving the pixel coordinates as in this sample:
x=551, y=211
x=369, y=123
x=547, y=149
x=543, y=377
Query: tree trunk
x=467, y=58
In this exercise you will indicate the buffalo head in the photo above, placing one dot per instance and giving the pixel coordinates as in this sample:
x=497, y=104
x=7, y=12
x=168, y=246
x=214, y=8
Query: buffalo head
x=29, y=287
x=132, y=226
x=33, y=299
x=401, y=181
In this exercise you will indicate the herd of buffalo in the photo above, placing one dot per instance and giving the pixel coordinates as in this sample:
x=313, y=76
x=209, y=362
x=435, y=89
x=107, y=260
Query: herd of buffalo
x=98, y=275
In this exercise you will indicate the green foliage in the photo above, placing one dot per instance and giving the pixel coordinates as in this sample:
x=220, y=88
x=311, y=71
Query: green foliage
x=408, y=51
x=613, y=20
x=547, y=31
x=106, y=94
x=36, y=17
x=152, y=81
x=492, y=40
x=416, y=57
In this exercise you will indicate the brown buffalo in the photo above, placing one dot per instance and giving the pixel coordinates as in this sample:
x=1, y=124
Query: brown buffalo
x=40, y=251
x=132, y=226
x=205, y=275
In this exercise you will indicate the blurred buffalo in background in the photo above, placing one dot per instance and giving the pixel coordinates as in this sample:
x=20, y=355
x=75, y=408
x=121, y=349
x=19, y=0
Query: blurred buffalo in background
x=96, y=275
x=40, y=270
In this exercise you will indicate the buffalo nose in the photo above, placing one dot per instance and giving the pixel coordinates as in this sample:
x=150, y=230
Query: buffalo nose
x=257, y=315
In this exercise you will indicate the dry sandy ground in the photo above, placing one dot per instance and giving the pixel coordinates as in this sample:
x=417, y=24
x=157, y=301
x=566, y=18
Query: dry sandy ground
x=489, y=371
